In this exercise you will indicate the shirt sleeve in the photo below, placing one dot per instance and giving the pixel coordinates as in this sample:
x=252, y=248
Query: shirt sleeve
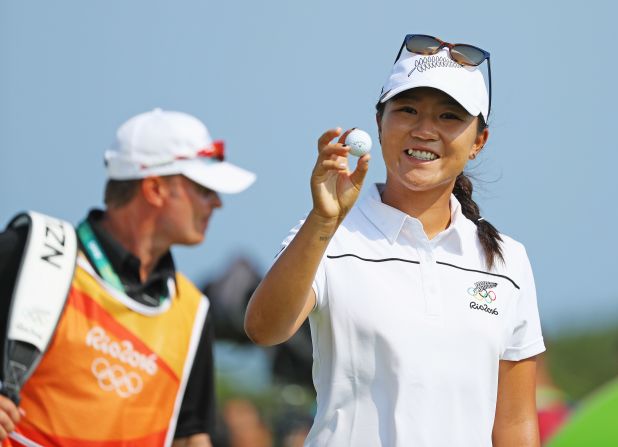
x=524, y=338
x=319, y=281
x=197, y=411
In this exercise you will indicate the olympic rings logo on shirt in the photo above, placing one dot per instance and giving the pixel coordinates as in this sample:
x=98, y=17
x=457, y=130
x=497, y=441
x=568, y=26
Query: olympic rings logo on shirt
x=481, y=291
x=116, y=378
x=483, y=295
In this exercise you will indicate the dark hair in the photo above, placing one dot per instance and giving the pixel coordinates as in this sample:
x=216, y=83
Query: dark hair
x=120, y=192
x=488, y=235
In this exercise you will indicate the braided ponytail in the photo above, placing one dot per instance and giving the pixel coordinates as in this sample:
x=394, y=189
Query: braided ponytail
x=488, y=234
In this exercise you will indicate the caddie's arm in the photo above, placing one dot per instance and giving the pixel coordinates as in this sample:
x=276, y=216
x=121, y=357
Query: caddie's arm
x=284, y=298
x=12, y=243
x=199, y=440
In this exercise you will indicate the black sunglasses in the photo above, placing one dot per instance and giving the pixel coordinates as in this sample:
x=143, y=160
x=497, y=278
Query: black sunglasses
x=461, y=53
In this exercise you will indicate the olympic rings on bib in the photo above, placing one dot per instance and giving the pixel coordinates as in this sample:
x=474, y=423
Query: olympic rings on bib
x=116, y=378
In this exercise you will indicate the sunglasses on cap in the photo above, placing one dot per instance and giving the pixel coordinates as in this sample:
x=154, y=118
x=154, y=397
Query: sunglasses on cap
x=461, y=53
x=216, y=151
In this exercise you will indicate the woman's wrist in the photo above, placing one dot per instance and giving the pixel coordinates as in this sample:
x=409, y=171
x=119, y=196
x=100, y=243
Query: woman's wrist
x=323, y=226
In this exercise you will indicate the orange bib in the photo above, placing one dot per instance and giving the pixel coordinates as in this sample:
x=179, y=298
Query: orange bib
x=115, y=371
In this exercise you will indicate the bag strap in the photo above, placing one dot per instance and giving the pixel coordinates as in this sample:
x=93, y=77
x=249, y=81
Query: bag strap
x=41, y=289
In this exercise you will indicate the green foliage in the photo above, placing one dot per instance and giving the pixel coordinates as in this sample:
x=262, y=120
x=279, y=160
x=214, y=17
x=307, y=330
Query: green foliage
x=582, y=362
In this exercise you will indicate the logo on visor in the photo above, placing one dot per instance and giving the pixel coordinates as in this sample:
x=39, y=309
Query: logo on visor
x=428, y=62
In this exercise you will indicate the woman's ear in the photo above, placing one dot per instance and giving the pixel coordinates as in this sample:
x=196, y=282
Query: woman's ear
x=479, y=143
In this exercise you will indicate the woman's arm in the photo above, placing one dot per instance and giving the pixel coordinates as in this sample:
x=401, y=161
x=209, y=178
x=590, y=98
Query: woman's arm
x=284, y=298
x=516, y=422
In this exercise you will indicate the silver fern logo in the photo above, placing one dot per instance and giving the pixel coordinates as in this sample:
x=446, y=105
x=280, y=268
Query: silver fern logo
x=428, y=62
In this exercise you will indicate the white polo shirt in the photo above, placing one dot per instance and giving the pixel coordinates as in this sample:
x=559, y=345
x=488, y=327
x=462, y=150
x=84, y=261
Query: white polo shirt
x=408, y=332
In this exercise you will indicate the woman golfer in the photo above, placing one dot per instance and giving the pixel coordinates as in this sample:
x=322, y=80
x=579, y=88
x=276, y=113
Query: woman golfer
x=423, y=317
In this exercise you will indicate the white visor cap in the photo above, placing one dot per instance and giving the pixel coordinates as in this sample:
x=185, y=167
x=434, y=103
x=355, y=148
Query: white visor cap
x=463, y=83
x=166, y=143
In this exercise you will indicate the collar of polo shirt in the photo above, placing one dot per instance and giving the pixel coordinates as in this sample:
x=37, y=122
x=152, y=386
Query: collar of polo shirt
x=391, y=221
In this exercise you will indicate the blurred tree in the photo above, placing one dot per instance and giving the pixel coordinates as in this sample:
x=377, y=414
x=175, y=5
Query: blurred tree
x=580, y=363
x=229, y=294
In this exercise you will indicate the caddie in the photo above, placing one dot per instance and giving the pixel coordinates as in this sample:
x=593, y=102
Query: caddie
x=129, y=358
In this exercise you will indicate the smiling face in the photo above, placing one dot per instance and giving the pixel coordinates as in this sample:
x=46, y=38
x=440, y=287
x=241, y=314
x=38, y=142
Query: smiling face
x=188, y=208
x=427, y=139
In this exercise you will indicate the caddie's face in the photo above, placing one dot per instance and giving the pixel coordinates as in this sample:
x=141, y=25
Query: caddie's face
x=427, y=138
x=187, y=211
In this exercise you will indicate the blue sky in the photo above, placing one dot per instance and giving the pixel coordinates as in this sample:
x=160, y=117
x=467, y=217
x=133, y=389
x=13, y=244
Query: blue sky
x=269, y=77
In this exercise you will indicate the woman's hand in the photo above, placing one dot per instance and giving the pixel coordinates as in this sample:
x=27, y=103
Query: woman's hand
x=333, y=187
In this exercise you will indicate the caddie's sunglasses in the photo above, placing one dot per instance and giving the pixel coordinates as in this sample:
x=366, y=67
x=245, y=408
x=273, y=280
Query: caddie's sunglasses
x=216, y=151
x=461, y=53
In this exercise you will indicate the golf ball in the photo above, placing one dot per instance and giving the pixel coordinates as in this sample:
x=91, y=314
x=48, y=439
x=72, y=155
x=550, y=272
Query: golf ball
x=359, y=142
